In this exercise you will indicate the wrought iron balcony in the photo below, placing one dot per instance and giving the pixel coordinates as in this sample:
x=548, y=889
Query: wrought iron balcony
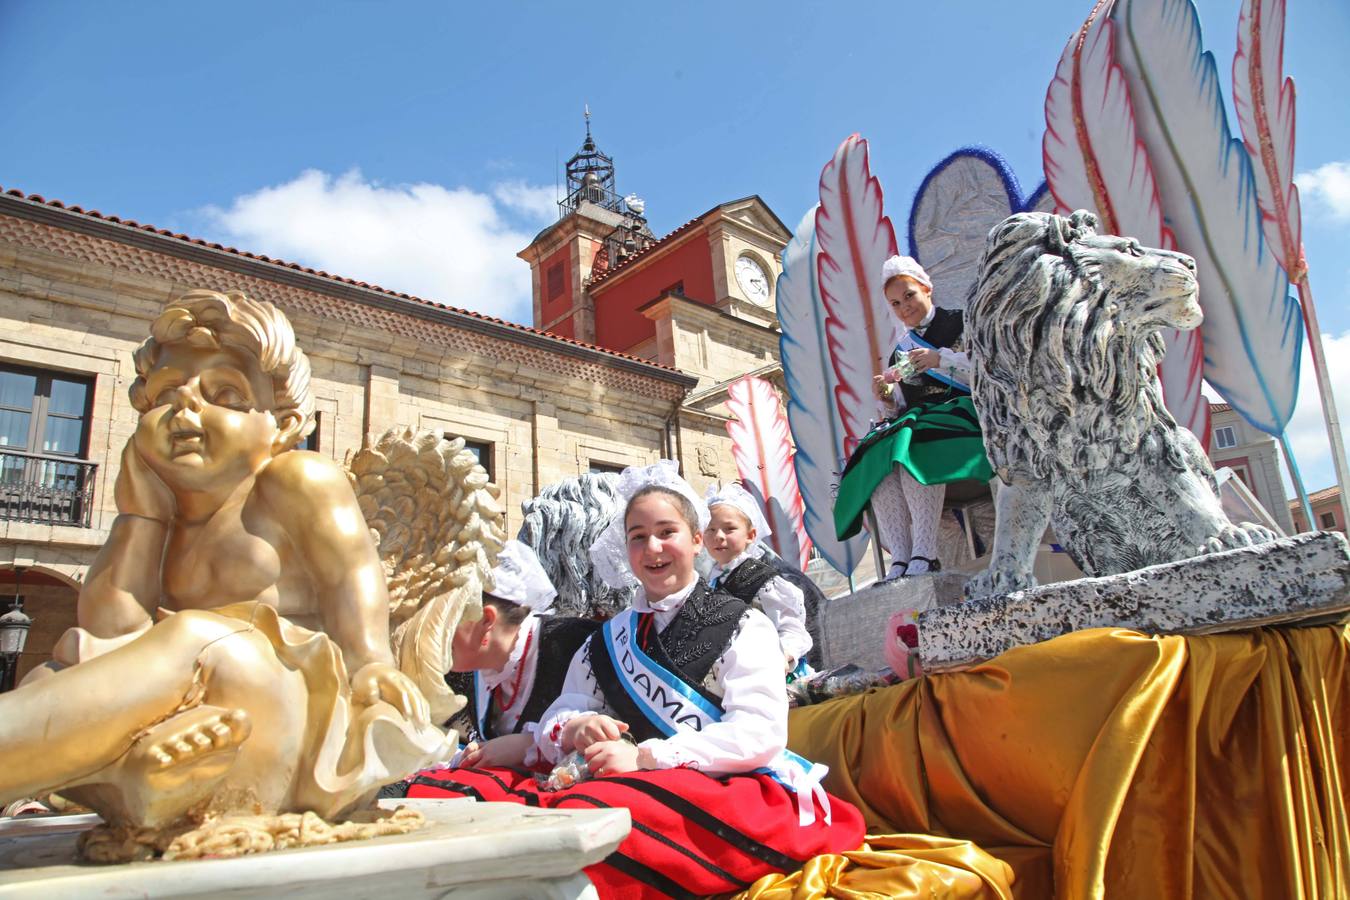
x=51, y=490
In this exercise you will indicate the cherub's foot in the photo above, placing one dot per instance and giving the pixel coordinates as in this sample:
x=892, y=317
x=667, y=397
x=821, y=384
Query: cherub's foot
x=175, y=764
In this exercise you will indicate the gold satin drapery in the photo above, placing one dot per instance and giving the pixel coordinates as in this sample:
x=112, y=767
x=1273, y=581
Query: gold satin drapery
x=1104, y=763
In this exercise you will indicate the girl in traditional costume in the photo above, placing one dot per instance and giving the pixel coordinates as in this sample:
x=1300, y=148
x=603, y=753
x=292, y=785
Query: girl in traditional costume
x=733, y=538
x=511, y=662
x=679, y=709
x=928, y=436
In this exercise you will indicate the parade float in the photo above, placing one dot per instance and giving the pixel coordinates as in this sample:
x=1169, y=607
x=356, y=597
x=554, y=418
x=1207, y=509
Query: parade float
x=1170, y=724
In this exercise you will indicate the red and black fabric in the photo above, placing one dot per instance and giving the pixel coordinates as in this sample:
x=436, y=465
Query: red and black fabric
x=693, y=834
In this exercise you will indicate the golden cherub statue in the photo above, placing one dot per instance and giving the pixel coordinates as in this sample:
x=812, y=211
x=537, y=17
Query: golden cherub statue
x=268, y=683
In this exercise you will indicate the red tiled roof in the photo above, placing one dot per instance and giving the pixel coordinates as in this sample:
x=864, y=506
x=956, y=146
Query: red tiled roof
x=131, y=223
x=1219, y=407
x=1317, y=497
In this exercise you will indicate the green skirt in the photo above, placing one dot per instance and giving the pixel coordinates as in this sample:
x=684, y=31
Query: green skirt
x=937, y=444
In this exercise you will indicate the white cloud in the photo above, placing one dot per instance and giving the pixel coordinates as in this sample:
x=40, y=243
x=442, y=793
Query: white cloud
x=1326, y=190
x=537, y=202
x=1307, y=431
x=453, y=245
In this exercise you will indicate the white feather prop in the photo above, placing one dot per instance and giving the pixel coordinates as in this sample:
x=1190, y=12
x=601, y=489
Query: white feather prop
x=1264, y=100
x=762, y=447
x=855, y=238
x=1253, y=328
x=1095, y=160
x=812, y=414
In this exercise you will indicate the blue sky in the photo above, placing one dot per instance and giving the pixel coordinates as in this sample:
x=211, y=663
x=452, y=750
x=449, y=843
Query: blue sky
x=417, y=144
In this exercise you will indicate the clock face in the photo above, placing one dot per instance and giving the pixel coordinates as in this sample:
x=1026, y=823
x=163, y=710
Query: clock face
x=750, y=276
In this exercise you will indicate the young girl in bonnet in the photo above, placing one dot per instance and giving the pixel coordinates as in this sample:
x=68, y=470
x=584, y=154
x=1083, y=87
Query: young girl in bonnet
x=733, y=539
x=928, y=436
x=679, y=708
x=510, y=663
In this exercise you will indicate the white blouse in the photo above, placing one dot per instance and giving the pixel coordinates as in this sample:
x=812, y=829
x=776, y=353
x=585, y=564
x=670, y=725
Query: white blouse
x=783, y=603
x=747, y=677
x=522, y=663
x=952, y=363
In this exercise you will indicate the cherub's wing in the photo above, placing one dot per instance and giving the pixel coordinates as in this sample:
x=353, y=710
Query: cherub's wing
x=438, y=526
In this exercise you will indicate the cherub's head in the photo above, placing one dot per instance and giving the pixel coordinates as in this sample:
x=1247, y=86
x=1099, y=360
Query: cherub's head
x=221, y=387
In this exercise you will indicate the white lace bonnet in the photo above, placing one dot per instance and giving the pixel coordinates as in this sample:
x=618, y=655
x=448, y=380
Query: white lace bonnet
x=905, y=265
x=519, y=578
x=733, y=494
x=609, y=553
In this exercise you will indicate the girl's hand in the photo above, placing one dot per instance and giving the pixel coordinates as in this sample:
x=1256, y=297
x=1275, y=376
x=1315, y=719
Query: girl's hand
x=507, y=750
x=881, y=388
x=923, y=359
x=583, y=731
x=612, y=757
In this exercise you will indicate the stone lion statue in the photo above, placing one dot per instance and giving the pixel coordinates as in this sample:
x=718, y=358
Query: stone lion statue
x=1065, y=333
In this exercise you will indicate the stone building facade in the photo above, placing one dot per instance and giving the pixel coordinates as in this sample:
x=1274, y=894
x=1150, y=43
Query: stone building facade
x=78, y=291
x=1326, y=510
x=1253, y=457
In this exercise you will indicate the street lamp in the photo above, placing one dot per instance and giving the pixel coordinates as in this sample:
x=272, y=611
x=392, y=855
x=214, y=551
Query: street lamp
x=14, y=627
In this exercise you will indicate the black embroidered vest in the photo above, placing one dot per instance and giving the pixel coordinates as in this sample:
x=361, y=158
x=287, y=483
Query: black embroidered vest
x=692, y=642
x=746, y=580
x=559, y=637
x=944, y=332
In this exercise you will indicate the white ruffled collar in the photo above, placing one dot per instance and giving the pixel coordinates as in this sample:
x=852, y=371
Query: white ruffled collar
x=719, y=570
x=668, y=603
x=492, y=679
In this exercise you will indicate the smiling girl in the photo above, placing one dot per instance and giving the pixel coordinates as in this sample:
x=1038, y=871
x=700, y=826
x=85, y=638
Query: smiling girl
x=679, y=708
x=732, y=538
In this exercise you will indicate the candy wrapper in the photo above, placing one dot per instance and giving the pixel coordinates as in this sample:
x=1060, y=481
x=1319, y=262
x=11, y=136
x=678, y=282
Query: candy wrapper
x=570, y=770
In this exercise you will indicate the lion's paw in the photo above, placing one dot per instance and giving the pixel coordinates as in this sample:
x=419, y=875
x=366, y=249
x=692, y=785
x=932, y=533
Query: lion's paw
x=991, y=583
x=1233, y=537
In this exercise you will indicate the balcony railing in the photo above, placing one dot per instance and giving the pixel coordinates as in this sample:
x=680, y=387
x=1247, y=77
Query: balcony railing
x=52, y=490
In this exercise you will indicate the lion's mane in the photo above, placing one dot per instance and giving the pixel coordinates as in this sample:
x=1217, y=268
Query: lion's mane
x=1060, y=387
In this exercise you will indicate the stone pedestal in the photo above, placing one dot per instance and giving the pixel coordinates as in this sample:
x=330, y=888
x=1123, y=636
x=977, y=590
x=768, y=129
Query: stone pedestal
x=469, y=851
x=853, y=626
x=1299, y=579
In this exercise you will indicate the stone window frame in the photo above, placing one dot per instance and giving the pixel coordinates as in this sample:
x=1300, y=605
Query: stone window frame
x=39, y=411
x=1328, y=519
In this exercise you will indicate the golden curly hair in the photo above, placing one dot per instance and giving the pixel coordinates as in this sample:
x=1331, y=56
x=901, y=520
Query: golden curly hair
x=211, y=320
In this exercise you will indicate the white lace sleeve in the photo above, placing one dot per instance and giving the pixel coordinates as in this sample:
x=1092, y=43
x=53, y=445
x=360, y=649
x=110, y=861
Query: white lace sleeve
x=956, y=364
x=580, y=696
x=753, y=730
x=785, y=606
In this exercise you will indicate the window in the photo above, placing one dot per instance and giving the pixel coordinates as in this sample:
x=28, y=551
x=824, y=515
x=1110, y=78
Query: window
x=1225, y=437
x=482, y=451
x=556, y=283
x=1328, y=520
x=600, y=468
x=44, y=434
x=1244, y=476
x=312, y=441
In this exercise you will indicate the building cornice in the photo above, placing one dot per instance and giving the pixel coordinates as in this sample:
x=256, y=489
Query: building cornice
x=294, y=276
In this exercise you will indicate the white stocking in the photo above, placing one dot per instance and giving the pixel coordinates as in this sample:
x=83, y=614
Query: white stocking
x=892, y=515
x=925, y=509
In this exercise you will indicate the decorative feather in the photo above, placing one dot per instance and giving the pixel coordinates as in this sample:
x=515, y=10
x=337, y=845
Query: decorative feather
x=1253, y=328
x=855, y=238
x=762, y=446
x=1095, y=160
x=812, y=414
x=956, y=205
x=1264, y=100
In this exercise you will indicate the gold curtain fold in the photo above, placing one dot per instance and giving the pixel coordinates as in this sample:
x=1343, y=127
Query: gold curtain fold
x=1102, y=763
